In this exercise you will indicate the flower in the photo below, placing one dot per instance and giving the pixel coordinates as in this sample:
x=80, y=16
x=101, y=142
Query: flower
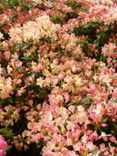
x=1, y=36
x=6, y=87
x=16, y=35
x=3, y=146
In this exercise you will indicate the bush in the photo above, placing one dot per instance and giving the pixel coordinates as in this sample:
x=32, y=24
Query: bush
x=58, y=76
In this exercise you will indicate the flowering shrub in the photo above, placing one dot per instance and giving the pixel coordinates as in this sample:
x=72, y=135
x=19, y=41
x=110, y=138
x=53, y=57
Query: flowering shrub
x=58, y=76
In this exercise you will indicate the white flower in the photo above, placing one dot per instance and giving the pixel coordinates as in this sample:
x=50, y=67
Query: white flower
x=1, y=36
x=40, y=82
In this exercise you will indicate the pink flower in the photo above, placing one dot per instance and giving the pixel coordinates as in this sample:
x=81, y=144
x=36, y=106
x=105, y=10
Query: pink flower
x=114, y=93
x=6, y=87
x=97, y=112
x=16, y=35
x=55, y=100
x=113, y=139
x=108, y=49
x=3, y=146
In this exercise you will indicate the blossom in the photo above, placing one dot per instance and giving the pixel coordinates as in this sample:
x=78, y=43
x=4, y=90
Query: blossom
x=6, y=87
x=37, y=1
x=16, y=34
x=108, y=49
x=1, y=36
x=3, y=146
x=41, y=27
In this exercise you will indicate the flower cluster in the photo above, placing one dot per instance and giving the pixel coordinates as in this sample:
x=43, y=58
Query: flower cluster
x=58, y=76
x=42, y=27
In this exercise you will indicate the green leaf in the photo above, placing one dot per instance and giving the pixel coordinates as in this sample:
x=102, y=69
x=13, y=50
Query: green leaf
x=60, y=50
x=25, y=46
x=114, y=100
x=102, y=58
x=41, y=93
x=51, y=0
x=28, y=6
x=26, y=58
x=84, y=100
x=37, y=75
x=6, y=132
x=74, y=5
x=85, y=154
x=7, y=100
x=1, y=10
x=9, y=147
x=12, y=3
x=95, y=153
x=14, y=18
x=57, y=19
x=16, y=47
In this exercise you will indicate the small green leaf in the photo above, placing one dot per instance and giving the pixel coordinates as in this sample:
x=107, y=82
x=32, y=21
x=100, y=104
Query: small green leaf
x=57, y=19
x=26, y=58
x=84, y=100
x=6, y=132
x=95, y=153
x=14, y=18
x=25, y=46
x=114, y=100
x=28, y=6
x=9, y=147
x=41, y=93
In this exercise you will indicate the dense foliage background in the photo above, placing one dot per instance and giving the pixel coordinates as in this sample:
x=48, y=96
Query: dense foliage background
x=58, y=77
